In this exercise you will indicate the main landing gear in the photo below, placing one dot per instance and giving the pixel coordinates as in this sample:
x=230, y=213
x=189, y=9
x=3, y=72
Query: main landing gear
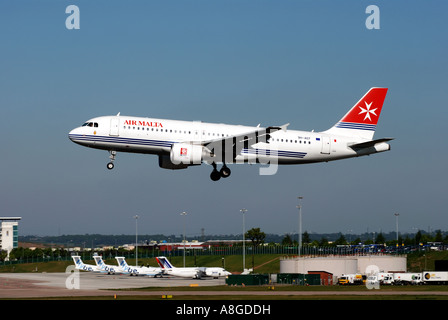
x=223, y=173
x=110, y=165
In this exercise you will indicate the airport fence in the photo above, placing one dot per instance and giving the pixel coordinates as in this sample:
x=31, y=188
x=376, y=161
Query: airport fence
x=152, y=252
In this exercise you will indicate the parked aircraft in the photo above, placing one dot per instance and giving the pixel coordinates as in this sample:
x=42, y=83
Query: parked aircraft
x=138, y=271
x=79, y=265
x=109, y=269
x=195, y=272
x=169, y=269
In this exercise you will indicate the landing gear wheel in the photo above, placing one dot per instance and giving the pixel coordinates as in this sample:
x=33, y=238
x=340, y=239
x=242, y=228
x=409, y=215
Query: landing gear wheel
x=215, y=175
x=225, y=172
x=112, y=155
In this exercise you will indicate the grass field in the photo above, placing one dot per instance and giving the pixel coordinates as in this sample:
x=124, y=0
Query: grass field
x=263, y=263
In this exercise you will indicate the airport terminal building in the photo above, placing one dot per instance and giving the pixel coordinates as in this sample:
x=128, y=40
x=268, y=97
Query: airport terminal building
x=9, y=233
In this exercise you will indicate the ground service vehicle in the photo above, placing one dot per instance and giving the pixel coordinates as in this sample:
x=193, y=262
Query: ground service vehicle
x=346, y=279
x=408, y=278
x=435, y=277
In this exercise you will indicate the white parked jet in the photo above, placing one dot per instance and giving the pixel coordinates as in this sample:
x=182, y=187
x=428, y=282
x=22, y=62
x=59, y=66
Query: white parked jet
x=188, y=272
x=105, y=267
x=215, y=272
x=138, y=271
x=180, y=144
x=79, y=265
x=195, y=272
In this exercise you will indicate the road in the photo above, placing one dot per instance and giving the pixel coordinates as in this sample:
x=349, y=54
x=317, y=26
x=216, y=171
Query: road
x=42, y=285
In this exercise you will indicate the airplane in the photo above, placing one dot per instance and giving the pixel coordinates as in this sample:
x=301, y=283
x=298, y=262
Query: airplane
x=79, y=265
x=188, y=272
x=216, y=272
x=138, y=271
x=181, y=144
x=104, y=267
x=196, y=272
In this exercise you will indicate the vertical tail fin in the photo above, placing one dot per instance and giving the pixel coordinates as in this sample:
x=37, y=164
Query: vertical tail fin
x=99, y=262
x=164, y=263
x=77, y=260
x=361, y=120
x=123, y=265
x=121, y=262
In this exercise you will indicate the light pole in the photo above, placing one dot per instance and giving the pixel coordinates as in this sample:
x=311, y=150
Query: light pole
x=300, y=224
x=243, y=211
x=136, y=243
x=184, y=214
x=396, y=224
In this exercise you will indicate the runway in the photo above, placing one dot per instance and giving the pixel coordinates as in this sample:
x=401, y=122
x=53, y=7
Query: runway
x=45, y=285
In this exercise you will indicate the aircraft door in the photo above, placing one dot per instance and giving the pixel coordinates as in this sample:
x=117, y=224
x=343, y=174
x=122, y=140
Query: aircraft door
x=326, y=144
x=114, y=126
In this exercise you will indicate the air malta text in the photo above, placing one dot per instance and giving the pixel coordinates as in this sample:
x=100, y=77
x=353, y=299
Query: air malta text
x=143, y=123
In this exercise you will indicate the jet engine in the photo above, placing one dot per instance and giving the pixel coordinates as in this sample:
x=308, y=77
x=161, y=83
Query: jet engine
x=187, y=153
x=165, y=163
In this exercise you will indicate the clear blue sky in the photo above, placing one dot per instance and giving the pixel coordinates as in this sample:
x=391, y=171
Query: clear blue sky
x=239, y=62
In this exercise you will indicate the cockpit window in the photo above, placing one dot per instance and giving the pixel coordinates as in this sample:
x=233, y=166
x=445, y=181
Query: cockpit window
x=90, y=124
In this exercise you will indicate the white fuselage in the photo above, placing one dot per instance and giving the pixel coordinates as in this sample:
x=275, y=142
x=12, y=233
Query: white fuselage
x=180, y=144
x=183, y=272
x=157, y=136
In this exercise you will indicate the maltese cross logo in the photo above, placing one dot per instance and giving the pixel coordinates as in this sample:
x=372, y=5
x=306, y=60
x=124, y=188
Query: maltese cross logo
x=367, y=110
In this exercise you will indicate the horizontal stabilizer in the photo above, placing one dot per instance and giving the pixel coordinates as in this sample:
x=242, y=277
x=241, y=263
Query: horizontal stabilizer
x=369, y=144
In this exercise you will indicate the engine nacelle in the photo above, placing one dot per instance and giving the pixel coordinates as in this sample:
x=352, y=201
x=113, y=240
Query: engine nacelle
x=186, y=153
x=165, y=163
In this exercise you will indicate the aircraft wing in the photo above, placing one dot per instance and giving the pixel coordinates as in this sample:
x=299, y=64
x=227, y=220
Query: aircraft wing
x=236, y=143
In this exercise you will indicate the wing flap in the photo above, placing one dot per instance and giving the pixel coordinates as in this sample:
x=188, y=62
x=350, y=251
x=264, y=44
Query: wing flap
x=234, y=144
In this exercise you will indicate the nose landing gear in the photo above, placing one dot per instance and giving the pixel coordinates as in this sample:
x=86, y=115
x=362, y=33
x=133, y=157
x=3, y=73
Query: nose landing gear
x=223, y=173
x=110, y=165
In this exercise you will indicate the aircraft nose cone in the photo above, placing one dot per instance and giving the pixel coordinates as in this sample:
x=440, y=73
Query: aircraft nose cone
x=72, y=135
